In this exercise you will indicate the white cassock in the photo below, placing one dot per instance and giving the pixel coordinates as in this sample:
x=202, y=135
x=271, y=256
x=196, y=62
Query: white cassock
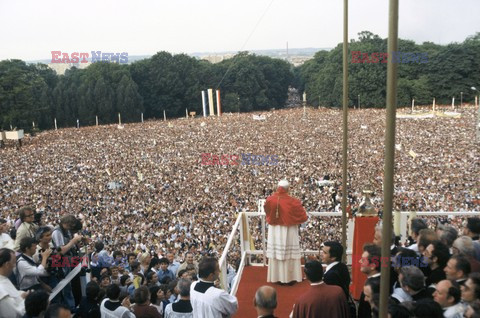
x=210, y=302
x=12, y=304
x=283, y=252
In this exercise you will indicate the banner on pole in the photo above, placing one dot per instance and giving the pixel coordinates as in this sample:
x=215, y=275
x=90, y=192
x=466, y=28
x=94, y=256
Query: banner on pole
x=210, y=102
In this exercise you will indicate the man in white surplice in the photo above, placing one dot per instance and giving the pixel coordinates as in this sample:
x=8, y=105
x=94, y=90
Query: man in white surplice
x=283, y=214
x=12, y=301
x=207, y=300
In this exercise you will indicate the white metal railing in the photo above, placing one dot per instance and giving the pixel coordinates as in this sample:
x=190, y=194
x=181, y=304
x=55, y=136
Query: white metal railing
x=223, y=259
x=242, y=225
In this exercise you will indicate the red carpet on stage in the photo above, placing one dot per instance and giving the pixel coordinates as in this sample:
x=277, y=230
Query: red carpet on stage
x=256, y=276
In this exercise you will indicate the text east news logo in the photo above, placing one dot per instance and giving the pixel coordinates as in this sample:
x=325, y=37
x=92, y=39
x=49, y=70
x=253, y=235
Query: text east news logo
x=65, y=261
x=382, y=57
x=209, y=159
x=97, y=56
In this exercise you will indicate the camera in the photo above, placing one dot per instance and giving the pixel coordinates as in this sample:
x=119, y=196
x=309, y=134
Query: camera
x=54, y=271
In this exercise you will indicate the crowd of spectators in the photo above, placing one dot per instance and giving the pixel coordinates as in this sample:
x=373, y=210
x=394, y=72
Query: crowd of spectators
x=438, y=276
x=140, y=197
x=144, y=187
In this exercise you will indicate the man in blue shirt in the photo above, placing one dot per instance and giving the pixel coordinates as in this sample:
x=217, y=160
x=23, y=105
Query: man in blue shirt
x=164, y=271
x=173, y=265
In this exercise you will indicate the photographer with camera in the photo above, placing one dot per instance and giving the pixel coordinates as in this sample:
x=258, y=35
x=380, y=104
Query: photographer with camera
x=43, y=236
x=80, y=249
x=66, y=243
x=44, y=242
x=29, y=272
x=63, y=238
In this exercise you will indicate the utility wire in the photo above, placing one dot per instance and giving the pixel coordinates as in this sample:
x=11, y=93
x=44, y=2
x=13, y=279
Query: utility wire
x=246, y=41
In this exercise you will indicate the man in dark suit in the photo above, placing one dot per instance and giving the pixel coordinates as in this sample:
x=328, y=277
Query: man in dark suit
x=370, y=266
x=336, y=272
x=436, y=256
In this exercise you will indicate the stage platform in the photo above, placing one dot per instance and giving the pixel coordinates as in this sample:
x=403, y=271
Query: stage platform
x=256, y=276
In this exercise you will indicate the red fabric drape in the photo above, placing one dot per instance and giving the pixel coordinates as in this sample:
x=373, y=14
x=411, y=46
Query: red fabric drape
x=364, y=232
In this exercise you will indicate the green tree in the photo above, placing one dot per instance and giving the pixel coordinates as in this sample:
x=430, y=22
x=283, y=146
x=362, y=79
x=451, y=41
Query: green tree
x=23, y=95
x=231, y=103
x=449, y=70
x=259, y=82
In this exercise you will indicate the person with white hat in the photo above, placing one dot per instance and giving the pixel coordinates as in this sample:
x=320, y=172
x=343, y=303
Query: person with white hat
x=283, y=214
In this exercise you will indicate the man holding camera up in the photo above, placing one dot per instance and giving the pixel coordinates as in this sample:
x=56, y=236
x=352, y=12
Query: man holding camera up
x=28, y=272
x=63, y=239
x=44, y=242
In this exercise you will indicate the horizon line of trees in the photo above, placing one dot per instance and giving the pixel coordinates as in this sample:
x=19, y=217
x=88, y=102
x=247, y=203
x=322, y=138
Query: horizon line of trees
x=165, y=82
x=448, y=71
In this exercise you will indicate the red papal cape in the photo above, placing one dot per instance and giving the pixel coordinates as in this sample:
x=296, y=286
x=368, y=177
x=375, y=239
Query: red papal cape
x=284, y=214
x=290, y=210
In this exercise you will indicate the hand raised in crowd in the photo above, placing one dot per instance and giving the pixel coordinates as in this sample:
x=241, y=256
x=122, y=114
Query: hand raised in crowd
x=46, y=254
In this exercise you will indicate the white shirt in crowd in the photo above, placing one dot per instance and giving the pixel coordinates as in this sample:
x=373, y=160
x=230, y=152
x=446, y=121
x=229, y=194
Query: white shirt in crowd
x=12, y=303
x=27, y=274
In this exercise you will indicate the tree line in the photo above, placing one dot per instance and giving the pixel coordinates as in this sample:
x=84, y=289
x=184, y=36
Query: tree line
x=165, y=82
x=447, y=71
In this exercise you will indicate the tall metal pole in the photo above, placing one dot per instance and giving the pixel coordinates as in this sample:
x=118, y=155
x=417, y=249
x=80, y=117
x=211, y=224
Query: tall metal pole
x=345, y=128
x=389, y=159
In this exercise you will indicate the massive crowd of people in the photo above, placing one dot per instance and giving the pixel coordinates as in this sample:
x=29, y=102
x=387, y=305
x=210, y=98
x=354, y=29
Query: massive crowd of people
x=143, y=188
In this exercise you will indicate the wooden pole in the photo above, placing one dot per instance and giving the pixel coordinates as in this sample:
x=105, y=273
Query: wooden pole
x=389, y=158
x=345, y=129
